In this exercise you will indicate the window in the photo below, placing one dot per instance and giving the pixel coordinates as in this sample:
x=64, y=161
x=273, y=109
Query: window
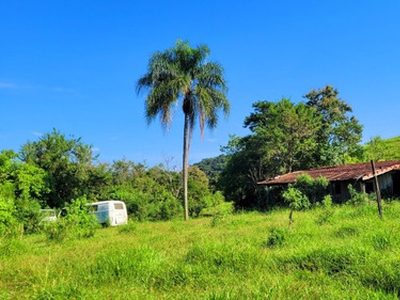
x=118, y=206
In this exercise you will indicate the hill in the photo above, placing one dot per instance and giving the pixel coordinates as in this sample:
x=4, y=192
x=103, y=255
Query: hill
x=383, y=149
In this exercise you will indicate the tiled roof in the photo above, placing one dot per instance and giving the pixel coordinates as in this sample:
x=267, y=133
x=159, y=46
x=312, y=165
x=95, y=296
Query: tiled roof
x=339, y=173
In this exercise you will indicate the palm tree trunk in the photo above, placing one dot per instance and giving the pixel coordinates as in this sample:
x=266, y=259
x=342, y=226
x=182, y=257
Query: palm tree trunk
x=185, y=167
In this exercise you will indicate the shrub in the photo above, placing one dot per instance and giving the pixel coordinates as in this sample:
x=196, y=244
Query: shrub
x=78, y=222
x=8, y=223
x=314, y=189
x=28, y=213
x=277, y=237
x=296, y=200
x=356, y=198
x=327, y=212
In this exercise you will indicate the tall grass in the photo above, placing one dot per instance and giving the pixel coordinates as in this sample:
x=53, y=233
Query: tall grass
x=350, y=254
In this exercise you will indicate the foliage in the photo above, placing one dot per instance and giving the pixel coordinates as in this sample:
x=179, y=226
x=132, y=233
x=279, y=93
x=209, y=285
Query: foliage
x=8, y=222
x=183, y=73
x=199, y=194
x=296, y=199
x=277, y=237
x=27, y=212
x=155, y=204
x=357, y=198
x=67, y=163
x=379, y=149
x=286, y=137
x=78, y=222
x=212, y=167
x=315, y=189
x=247, y=164
x=340, y=134
x=287, y=129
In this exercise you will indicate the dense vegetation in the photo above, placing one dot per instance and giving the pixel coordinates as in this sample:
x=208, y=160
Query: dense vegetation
x=56, y=170
x=341, y=252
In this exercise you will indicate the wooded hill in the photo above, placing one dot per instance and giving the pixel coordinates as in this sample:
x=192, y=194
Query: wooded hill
x=383, y=149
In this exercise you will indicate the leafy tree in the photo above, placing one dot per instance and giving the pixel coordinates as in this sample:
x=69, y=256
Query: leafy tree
x=283, y=137
x=182, y=73
x=296, y=200
x=198, y=190
x=340, y=133
x=67, y=163
x=22, y=184
x=247, y=163
x=212, y=167
x=288, y=130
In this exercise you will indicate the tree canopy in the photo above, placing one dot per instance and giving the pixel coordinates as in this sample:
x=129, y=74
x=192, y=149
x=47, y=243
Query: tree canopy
x=287, y=136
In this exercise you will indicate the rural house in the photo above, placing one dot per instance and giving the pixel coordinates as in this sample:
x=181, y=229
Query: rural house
x=359, y=175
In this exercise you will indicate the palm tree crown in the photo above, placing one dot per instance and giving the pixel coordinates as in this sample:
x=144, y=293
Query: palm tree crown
x=182, y=73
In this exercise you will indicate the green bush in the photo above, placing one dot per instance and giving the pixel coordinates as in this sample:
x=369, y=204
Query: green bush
x=314, y=189
x=8, y=223
x=28, y=213
x=277, y=237
x=356, y=198
x=158, y=204
x=78, y=222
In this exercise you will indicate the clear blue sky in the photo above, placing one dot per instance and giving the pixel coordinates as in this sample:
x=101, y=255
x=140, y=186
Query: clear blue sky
x=73, y=65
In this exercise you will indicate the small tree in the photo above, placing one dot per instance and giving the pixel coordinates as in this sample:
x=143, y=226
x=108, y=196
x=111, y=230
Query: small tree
x=296, y=200
x=314, y=189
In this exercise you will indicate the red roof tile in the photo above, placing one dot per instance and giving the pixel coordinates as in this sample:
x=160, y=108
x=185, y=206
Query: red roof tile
x=338, y=173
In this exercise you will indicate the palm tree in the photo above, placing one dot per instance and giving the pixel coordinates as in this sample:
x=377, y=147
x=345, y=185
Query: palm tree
x=182, y=74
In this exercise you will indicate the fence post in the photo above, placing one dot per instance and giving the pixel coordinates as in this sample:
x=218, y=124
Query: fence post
x=377, y=189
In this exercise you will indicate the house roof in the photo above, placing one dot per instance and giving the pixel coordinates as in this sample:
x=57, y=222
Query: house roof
x=338, y=173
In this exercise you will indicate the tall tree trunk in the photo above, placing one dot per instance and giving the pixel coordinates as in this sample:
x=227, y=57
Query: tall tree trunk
x=185, y=167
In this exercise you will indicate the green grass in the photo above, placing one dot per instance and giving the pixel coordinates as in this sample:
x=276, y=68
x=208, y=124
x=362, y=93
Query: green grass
x=345, y=253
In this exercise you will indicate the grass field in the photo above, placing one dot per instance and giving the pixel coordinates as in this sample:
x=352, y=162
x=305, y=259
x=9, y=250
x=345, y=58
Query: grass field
x=340, y=253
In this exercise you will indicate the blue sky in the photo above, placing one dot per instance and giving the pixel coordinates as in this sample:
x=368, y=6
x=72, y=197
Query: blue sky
x=73, y=65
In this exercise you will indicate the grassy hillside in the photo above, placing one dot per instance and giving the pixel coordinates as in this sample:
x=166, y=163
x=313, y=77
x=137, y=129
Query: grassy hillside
x=383, y=149
x=340, y=253
x=394, y=145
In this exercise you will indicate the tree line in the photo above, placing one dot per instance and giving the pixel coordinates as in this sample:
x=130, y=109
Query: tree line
x=286, y=136
x=55, y=170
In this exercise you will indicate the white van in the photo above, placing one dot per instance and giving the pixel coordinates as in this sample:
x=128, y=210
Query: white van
x=111, y=211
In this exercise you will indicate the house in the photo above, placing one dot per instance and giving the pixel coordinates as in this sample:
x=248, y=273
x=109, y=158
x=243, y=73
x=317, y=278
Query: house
x=339, y=177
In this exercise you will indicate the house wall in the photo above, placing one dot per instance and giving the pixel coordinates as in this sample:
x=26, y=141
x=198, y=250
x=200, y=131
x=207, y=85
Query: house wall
x=339, y=191
x=385, y=182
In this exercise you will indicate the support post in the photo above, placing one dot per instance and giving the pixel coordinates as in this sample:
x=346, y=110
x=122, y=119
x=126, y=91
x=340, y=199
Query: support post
x=377, y=189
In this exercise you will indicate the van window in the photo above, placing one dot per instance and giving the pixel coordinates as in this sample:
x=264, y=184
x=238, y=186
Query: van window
x=95, y=207
x=118, y=206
